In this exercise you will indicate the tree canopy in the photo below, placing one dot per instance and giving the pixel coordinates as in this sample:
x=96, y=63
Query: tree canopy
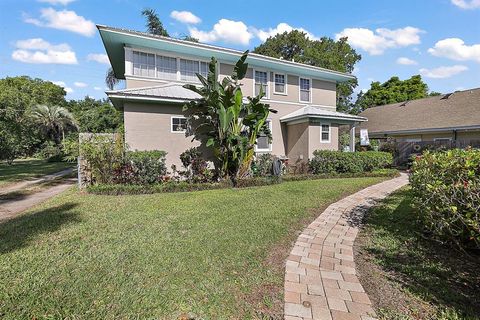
x=326, y=53
x=392, y=91
x=96, y=115
x=34, y=111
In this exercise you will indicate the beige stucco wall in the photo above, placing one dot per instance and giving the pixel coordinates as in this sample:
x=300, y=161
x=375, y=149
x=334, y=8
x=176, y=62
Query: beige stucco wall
x=148, y=127
x=314, y=143
x=323, y=92
x=297, y=143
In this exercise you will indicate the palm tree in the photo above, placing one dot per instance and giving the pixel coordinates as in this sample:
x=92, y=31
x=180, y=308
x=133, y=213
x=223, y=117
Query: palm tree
x=154, y=25
x=110, y=79
x=54, y=121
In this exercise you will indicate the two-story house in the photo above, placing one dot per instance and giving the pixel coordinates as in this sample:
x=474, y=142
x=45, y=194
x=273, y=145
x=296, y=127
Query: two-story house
x=155, y=69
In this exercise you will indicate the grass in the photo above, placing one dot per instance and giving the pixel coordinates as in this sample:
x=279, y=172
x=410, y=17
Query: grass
x=437, y=281
x=217, y=254
x=28, y=169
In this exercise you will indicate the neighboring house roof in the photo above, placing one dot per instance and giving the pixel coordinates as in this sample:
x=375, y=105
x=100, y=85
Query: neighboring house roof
x=458, y=110
x=115, y=39
x=309, y=112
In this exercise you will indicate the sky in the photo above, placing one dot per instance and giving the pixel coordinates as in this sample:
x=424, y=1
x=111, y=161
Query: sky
x=57, y=40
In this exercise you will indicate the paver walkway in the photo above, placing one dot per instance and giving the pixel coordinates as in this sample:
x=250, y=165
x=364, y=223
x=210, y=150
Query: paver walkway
x=320, y=275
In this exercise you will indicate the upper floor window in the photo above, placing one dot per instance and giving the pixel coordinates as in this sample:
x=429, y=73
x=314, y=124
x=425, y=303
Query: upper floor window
x=166, y=67
x=325, y=133
x=305, y=90
x=190, y=68
x=143, y=64
x=261, y=81
x=280, y=83
x=169, y=68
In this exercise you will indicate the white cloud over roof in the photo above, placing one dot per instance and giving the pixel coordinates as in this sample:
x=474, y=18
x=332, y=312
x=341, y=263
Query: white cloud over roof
x=63, y=20
x=185, y=17
x=442, y=72
x=456, y=49
x=376, y=42
x=39, y=51
x=467, y=4
x=228, y=31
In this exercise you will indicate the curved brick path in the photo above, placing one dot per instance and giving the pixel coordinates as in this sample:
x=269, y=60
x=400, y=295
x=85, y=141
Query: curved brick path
x=320, y=275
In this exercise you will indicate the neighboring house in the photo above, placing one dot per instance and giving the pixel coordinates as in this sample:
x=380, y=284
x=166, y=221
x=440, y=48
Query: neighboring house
x=156, y=68
x=449, y=117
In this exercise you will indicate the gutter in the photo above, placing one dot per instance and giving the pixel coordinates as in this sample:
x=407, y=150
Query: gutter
x=462, y=128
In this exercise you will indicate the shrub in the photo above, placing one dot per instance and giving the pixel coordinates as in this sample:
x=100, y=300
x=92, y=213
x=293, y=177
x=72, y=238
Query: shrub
x=104, y=155
x=185, y=186
x=326, y=161
x=196, y=168
x=446, y=187
x=262, y=165
x=141, y=167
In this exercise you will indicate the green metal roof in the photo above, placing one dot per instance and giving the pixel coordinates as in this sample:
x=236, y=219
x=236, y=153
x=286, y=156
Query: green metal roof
x=115, y=39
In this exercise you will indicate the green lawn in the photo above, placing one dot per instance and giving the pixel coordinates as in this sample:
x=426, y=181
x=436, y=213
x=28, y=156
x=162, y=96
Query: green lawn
x=438, y=280
x=28, y=169
x=217, y=254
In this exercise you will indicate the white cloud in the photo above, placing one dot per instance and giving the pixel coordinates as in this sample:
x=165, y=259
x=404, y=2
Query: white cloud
x=80, y=84
x=375, y=43
x=280, y=28
x=456, y=49
x=37, y=50
x=185, y=17
x=442, y=72
x=98, y=57
x=56, y=2
x=63, y=85
x=406, y=61
x=97, y=88
x=63, y=20
x=225, y=30
x=467, y=4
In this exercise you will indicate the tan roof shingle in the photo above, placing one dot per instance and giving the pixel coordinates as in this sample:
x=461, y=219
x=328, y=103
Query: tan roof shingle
x=459, y=109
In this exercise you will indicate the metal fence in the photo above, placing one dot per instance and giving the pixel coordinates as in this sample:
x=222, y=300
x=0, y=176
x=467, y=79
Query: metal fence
x=405, y=150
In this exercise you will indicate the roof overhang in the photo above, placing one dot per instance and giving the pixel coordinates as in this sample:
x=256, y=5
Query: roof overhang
x=115, y=40
x=314, y=113
x=426, y=130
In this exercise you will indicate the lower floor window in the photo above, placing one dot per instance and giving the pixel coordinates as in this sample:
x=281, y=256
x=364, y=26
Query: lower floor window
x=325, y=134
x=179, y=124
x=263, y=143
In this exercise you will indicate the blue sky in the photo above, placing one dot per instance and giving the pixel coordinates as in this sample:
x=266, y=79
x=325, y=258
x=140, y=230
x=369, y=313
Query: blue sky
x=56, y=40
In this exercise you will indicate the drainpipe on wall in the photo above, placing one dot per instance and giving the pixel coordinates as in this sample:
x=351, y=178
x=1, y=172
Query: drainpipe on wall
x=352, y=137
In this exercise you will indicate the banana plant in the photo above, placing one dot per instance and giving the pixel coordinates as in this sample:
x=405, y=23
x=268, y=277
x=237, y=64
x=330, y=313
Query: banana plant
x=222, y=122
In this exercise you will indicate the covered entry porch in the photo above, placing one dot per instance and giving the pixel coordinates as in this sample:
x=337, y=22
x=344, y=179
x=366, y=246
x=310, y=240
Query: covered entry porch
x=316, y=128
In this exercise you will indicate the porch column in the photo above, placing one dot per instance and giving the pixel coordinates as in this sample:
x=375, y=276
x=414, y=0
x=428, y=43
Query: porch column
x=352, y=137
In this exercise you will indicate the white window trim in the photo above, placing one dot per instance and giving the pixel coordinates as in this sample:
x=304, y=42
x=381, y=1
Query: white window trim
x=267, y=96
x=440, y=139
x=299, y=89
x=171, y=123
x=270, y=124
x=285, y=85
x=329, y=132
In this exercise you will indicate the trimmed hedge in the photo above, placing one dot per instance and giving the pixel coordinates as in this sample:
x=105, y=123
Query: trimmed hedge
x=446, y=186
x=184, y=186
x=327, y=161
